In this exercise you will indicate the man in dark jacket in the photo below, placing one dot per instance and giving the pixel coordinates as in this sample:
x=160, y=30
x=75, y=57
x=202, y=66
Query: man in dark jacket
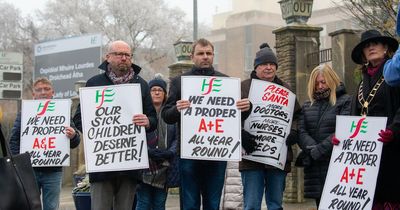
x=48, y=179
x=199, y=178
x=116, y=189
x=258, y=178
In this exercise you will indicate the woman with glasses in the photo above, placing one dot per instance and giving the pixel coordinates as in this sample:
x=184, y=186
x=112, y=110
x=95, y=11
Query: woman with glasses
x=163, y=163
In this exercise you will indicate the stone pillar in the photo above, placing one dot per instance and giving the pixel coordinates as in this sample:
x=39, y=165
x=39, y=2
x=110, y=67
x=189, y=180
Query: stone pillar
x=184, y=63
x=293, y=44
x=343, y=42
x=77, y=160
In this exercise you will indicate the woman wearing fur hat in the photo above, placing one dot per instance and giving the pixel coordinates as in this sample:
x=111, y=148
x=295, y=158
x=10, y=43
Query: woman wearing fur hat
x=258, y=178
x=376, y=98
x=163, y=163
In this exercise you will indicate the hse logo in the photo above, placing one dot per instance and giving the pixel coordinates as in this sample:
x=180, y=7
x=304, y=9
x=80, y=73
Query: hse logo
x=213, y=85
x=105, y=95
x=47, y=106
x=360, y=127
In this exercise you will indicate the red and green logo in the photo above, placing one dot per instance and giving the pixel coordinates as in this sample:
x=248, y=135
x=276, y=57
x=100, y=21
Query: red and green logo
x=103, y=96
x=213, y=85
x=47, y=106
x=361, y=127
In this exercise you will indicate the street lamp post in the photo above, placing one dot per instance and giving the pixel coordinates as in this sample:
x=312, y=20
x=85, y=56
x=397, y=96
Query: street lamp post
x=194, y=20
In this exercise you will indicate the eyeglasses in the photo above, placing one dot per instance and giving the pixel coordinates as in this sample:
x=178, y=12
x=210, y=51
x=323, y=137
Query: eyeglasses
x=44, y=89
x=121, y=54
x=156, y=90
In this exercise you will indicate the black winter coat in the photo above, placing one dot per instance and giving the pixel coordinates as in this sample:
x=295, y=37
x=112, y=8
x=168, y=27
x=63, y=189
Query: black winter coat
x=148, y=110
x=385, y=103
x=317, y=124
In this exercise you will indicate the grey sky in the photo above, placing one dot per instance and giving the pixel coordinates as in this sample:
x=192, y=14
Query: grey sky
x=206, y=8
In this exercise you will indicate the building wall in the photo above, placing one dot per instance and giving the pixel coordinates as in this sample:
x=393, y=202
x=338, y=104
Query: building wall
x=261, y=17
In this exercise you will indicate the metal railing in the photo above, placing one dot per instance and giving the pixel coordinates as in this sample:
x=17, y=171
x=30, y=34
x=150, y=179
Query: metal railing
x=316, y=58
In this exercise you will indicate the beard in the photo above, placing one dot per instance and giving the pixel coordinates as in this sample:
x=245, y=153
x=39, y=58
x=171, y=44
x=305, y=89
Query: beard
x=120, y=69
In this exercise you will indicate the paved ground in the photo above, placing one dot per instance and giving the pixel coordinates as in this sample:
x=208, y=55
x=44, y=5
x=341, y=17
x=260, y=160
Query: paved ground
x=67, y=203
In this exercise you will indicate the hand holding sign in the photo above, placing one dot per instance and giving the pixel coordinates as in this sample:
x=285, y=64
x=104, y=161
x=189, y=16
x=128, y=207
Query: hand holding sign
x=386, y=136
x=335, y=141
x=70, y=132
x=243, y=104
x=182, y=104
x=141, y=120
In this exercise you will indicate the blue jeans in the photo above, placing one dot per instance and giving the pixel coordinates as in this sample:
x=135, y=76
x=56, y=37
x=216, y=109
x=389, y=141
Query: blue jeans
x=150, y=198
x=256, y=182
x=49, y=184
x=201, y=178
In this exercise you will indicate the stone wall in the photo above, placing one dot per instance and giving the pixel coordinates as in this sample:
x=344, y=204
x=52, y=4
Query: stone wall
x=293, y=44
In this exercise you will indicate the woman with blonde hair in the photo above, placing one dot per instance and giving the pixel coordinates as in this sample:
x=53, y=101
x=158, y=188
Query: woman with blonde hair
x=327, y=98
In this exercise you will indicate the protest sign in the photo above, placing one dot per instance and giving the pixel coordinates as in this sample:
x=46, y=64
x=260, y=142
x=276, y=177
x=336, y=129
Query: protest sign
x=270, y=121
x=210, y=128
x=354, y=165
x=43, y=131
x=112, y=142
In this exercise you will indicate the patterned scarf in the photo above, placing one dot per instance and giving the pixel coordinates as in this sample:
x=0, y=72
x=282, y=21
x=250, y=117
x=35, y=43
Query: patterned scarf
x=120, y=80
x=373, y=70
x=320, y=95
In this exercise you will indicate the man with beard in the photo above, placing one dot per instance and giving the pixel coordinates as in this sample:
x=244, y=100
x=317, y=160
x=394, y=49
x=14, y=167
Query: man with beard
x=116, y=189
x=198, y=178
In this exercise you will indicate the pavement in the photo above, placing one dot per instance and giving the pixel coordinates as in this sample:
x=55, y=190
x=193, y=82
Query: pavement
x=67, y=203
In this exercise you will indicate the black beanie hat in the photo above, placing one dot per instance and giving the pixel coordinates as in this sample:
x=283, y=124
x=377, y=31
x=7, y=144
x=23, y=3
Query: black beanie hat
x=265, y=55
x=158, y=82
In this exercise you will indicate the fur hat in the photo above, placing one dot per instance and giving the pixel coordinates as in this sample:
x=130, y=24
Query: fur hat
x=158, y=82
x=372, y=36
x=265, y=55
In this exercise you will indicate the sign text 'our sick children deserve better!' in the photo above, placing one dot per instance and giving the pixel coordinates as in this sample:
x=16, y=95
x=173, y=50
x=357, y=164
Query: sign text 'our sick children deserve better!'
x=270, y=121
x=43, y=131
x=112, y=142
x=354, y=165
x=210, y=128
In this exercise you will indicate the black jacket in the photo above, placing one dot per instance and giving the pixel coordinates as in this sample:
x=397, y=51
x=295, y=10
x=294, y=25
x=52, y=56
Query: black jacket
x=386, y=103
x=148, y=110
x=317, y=125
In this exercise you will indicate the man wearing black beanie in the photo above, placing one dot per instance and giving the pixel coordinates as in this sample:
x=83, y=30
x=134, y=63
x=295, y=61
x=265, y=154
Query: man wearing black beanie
x=258, y=178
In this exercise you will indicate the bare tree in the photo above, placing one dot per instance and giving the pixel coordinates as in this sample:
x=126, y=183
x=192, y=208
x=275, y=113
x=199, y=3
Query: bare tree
x=148, y=26
x=17, y=34
x=373, y=14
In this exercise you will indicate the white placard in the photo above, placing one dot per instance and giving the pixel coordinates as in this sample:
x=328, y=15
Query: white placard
x=43, y=131
x=270, y=121
x=112, y=141
x=354, y=165
x=210, y=128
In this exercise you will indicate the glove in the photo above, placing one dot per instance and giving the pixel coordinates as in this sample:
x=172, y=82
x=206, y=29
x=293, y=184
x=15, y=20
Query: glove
x=386, y=136
x=335, y=141
x=248, y=142
x=314, y=152
x=292, y=138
